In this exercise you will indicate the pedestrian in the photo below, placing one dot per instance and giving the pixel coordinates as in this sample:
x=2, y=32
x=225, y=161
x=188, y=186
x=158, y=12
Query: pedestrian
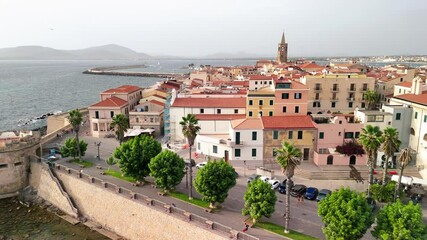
x=284, y=214
x=246, y=227
x=173, y=204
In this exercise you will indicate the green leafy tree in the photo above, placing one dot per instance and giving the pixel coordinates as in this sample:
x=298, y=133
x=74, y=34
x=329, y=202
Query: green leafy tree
x=383, y=193
x=346, y=215
x=370, y=138
x=260, y=200
x=76, y=118
x=400, y=221
x=372, y=99
x=70, y=148
x=289, y=157
x=120, y=123
x=404, y=159
x=135, y=155
x=214, y=180
x=190, y=129
x=110, y=161
x=390, y=145
x=168, y=169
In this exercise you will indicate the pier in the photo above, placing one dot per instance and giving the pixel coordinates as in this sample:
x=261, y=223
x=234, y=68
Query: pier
x=111, y=71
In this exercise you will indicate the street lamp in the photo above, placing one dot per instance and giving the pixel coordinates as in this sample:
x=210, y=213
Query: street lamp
x=244, y=168
x=98, y=144
x=186, y=176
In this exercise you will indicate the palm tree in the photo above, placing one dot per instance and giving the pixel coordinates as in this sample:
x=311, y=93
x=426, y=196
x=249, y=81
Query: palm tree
x=110, y=161
x=288, y=157
x=390, y=145
x=76, y=118
x=404, y=159
x=190, y=130
x=372, y=98
x=371, y=141
x=120, y=123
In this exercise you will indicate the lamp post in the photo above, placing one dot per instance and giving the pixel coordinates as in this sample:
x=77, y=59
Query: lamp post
x=244, y=168
x=186, y=176
x=98, y=144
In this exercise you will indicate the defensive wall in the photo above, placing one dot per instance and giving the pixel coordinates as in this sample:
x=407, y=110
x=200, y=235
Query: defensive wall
x=126, y=213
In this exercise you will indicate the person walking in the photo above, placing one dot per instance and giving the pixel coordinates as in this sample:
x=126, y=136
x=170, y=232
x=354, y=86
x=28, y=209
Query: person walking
x=246, y=228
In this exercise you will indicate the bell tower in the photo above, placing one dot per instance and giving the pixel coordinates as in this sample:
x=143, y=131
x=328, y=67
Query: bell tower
x=282, y=50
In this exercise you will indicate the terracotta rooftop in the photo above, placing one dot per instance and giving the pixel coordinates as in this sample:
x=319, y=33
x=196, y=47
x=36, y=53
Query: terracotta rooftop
x=420, y=99
x=247, y=123
x=157, y=103
x=211, y=102
x=111, y=102
x=285, y=122
x=261, y=77
x=405, y=84
x=207, y=117
x=156, y=95
x=123, y=89
x=310, y=65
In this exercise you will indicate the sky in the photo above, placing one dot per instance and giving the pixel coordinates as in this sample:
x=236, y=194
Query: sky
x=200, y=27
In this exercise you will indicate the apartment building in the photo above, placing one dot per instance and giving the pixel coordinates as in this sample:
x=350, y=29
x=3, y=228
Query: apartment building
x=148, y=115
x=131, y=94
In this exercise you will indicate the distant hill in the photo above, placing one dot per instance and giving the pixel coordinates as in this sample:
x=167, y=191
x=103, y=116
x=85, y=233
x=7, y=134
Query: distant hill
x=106, y=52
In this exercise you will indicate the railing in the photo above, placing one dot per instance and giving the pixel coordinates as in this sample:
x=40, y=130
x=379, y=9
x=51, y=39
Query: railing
x=317, y=89
x=351, y=89
x=334, y=98
x=363, y=89
x=159, y=205
x=335, y=89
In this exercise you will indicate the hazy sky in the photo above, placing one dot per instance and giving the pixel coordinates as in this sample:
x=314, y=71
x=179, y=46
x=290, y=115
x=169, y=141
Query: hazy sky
x=199, y=27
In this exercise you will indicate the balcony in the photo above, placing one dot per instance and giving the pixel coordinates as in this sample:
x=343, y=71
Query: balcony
x=351, y=89
x=317, y=89
x=363, y=89
x=233, y=143
x=334, y=99
x=335, y=89
x=350, y=99
x=101, y=120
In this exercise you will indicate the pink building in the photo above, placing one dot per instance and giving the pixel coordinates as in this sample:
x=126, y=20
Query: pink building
x=334, y=131
x=290, y=98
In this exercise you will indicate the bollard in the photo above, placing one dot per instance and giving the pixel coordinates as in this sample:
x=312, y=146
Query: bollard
x=209, y=224
x=168, y=208
x=149, y=201
x=104, y=184
x=188, y=215
x=119, y=190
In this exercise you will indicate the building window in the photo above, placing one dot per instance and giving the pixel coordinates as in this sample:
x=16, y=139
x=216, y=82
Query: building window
x=412, y=131
x=299, y=134
x=95, y=126
x=254, y=135
x=251, y=102
x=416, y=115
x=253, y=152
x=425, y=118
x=151, y=120
x=215, y=149
x=340, y=121
x=316, y=104
x=350, y=104
x=237, y=152
x=111, y=114
x=256, y=82
x=363, y=105
x=321, y=135
x=297, y=95
x=3, y=165
x=356, y=134
x=270, y=113
x=260, y=113
x=296, y=109
x=271, y=103
x=202, y=110
x=250, y=114
x=290, y=135
x=275, y=135
x=96, y=114
x=218, y=111
x=285, y=95
x=332, y=104
x=261, y=102
x=323, y=150
x=284, y=109
x=236, y=111
x=348, y=135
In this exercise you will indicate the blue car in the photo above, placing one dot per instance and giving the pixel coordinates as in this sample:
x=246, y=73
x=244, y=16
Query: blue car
x=311, y=193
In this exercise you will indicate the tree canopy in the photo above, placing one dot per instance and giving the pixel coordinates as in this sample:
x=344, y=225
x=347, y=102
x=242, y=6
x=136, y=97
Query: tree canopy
x=260, y=200
x=400, y=221
x=214, y=180
x=168, y=169
x=346, y=215
x=135, y=155
x=383, y=193
x=76, y=118
x=70, y=148
x=120, y=123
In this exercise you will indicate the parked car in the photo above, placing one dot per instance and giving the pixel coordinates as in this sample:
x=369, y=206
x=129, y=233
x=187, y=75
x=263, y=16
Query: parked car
x=264, y=178
x=323, y=193
x=282, y=187
x=371, y=202
x=53, y=157
x=311, y=193
x=253, y=177
x=274, y=183
x=298, y=190
x=201, y=165
x=188, y=162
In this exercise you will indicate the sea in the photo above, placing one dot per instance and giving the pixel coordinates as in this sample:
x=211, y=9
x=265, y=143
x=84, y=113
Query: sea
x=32, y=88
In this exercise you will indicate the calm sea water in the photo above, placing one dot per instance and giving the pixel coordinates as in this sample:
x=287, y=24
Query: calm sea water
x=29, y=89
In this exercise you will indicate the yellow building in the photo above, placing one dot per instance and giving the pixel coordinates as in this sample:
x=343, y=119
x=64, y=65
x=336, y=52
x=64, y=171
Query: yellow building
x=298, y=130
x=260, y=102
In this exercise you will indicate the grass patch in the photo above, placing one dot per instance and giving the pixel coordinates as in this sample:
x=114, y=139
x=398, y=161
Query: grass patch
x=82, y=163
x=184, y=197
x=279, y=230
x=119, y=175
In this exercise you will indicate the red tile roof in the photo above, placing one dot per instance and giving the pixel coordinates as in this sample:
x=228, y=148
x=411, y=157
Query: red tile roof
x=247, y=123
x=420, y=99
x=157, y=102
x=210, y=102
x=262, y=77
x=208, y=117
x=310, y=65
x=405, y=84
x=123, y=89
x=111, y=102
x=285, y=122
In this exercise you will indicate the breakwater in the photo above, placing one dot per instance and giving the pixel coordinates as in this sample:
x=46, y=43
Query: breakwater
x=112, y=71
